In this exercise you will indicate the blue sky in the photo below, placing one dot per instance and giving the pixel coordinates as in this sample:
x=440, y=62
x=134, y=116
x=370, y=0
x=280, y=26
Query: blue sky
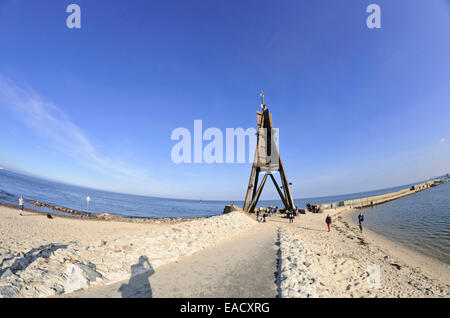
x=357, y=108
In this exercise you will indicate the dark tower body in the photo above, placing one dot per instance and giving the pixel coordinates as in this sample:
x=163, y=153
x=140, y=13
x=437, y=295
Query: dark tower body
x=268, y=160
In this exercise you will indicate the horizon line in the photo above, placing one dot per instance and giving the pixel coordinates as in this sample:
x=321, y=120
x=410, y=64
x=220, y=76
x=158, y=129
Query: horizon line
x=33, y=175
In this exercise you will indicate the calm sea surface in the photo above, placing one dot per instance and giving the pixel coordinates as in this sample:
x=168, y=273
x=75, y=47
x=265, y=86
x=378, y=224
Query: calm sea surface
x=421, y=221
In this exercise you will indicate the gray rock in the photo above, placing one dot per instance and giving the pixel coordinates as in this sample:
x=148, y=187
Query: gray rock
x=230, y=208
x=92, y=265
x=7, y=274
x=8, y=291
x=90, y=273
x=58, y=289
x=19, y=264
x=45, y=253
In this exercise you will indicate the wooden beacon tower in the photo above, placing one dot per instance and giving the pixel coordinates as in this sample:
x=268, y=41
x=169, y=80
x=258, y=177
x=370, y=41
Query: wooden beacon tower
x=268, y=160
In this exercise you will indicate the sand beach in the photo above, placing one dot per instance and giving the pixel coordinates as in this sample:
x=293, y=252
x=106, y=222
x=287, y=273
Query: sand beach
x=229, y=255
x=344, y=262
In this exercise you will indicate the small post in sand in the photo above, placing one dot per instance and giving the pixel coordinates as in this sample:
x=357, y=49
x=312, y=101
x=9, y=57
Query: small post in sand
x=88, y=199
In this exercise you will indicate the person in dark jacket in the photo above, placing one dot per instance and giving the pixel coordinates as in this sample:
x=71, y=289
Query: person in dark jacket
x=360, y=220
x=328, y=221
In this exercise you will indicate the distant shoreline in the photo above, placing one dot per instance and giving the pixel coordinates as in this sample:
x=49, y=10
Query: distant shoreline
x=110, y=217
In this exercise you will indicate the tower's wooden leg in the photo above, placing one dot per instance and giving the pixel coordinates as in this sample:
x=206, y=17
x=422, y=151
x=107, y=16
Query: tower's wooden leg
x=287, y=191
x=249, y=188
x=255, y=184
x=278, y=189
x=258, y=193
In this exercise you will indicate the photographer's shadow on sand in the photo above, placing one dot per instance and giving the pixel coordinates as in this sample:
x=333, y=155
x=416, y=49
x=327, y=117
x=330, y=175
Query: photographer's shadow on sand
x=139, y=285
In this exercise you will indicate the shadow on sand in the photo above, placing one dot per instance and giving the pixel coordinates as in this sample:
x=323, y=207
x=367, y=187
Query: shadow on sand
x=139, y=285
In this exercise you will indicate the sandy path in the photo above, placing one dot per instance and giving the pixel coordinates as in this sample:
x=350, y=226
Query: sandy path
x=241, y=267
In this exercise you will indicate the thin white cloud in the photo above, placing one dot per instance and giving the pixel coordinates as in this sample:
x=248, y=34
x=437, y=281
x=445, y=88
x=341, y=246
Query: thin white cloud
x=51, y=122
x=442, y=140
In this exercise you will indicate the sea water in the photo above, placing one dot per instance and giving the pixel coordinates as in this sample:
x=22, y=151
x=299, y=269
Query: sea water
x=420, y=221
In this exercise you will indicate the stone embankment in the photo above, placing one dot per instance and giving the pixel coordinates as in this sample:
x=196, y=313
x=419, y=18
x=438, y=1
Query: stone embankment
x=378, y=199
x=294, y=277
x=55, y=269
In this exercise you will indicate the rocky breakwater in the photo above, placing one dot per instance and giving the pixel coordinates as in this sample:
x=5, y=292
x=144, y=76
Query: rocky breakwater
x=294, y=276
x=55, y=269
x=62, y=209
x=379, y=199
x=107, y=216
x=231, y=208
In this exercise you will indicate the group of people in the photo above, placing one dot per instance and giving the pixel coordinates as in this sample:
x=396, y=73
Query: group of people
x=263, y=213
x=328, y=221
x=313, y=208
x=291, y=214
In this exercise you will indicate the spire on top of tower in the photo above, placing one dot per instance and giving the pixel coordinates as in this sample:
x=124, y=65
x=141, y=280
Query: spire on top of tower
x=263, y=106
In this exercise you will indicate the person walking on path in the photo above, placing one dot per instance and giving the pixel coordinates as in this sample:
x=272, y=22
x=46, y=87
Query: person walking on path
x=360, y=220
x=264, y=217
x=328, y=222
x=257, y=215
x=21, y=204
